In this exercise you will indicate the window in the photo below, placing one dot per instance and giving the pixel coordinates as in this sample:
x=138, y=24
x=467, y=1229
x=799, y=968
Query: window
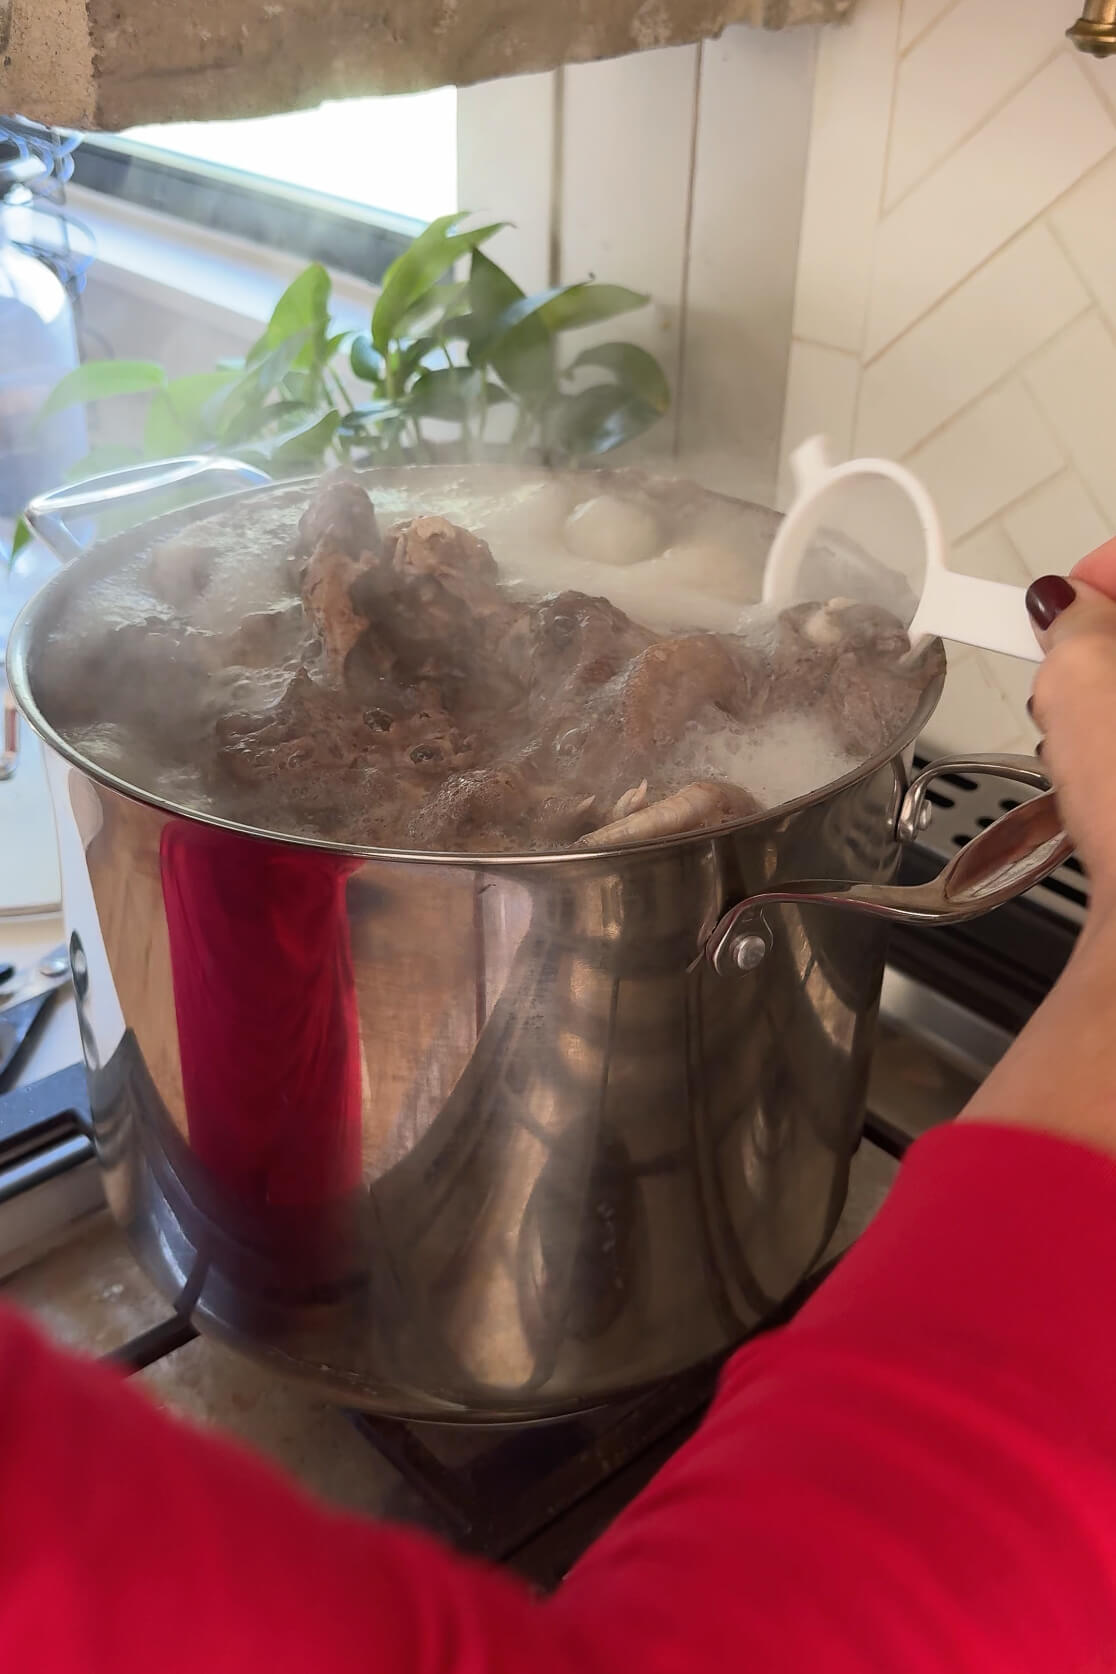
x=349, y=183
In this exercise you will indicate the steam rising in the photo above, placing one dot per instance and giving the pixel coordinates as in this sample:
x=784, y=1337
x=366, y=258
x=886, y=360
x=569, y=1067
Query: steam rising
x=189, y=672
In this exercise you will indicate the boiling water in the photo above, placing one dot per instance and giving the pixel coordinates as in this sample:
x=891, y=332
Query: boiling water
x=705, y=575
x=786, y=757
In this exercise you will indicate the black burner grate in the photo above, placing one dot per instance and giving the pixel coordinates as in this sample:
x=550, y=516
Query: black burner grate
x=531, y=1496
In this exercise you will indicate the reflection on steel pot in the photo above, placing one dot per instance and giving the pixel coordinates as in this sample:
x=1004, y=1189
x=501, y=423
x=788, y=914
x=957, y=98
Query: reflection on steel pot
x=486, y=1139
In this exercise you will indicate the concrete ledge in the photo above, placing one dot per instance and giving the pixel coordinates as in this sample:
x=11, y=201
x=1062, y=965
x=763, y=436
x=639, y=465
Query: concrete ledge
x=114, y=63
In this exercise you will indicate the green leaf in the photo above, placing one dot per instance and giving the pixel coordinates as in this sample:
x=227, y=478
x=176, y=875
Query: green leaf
x=636, y=371
x=435, y=306
x=164, y=435
x=412, y=355
x=365, y=359
x=302, y=308
x=243, y=407
x=196, y=398
x=241, y=416
x=361, y=420
x=302, y=448
x=522, y=356
x=491, y=290
x=596, y=420
x=453, y=392
x=265, y=374
x=411, y=275
x=587, y=303
x=184, y=413
x=96, y=380
x=256, y=422
x=21, y=537
x=458, y=328
x=303, y=387
x=568, y=307
x=109, y=456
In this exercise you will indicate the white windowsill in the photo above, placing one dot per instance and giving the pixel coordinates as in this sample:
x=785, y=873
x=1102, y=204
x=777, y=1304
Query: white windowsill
x=212, y=275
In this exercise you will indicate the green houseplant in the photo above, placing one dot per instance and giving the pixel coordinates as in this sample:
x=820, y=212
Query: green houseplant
x=450, y=366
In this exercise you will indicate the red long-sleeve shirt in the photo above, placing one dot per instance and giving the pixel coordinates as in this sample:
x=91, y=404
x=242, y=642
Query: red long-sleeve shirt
x=917, y=1476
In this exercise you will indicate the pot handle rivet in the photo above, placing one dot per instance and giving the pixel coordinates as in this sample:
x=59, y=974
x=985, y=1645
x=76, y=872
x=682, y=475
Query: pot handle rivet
x=748, y=951
x=740, y=944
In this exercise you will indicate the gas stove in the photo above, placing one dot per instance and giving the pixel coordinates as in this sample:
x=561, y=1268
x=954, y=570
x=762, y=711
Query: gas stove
x=533, y=1497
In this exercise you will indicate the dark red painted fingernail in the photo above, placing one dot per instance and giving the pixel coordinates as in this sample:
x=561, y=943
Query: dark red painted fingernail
x=1048, y=597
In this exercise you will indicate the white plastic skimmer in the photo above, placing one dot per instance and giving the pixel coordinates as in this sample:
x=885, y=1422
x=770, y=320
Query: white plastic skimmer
x=988, y=614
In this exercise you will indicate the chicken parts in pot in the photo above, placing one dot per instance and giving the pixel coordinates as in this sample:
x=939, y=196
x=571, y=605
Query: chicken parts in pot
x=396, y=692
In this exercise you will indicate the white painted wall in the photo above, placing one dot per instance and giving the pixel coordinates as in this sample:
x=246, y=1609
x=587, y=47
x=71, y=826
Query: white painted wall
x=955, y=304
x=681, y=173
x=901, y=231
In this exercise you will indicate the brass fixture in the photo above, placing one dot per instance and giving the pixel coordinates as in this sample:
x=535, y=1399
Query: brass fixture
x=1095, y=29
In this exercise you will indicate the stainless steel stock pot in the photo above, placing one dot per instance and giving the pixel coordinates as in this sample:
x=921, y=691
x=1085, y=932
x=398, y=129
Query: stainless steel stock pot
x=481, y=1138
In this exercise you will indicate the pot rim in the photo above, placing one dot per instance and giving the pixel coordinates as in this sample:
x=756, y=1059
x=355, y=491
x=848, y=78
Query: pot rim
x=26, y=625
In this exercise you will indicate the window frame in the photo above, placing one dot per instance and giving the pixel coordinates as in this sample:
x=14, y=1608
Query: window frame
x=313, y=225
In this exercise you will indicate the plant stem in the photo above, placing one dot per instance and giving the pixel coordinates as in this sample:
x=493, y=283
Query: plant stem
x=420, y=440
x=343, y=403
x=483, y=409
x=524, y=424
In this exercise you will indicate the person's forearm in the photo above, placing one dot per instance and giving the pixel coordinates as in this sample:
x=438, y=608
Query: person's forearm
x=919, y=1474
x=1060, y=1074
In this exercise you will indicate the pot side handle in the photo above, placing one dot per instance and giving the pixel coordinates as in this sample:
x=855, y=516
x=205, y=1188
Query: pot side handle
x=46, y=515
x=1015, y=852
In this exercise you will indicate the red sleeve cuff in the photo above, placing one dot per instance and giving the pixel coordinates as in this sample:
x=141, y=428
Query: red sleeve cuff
x=991, y=1234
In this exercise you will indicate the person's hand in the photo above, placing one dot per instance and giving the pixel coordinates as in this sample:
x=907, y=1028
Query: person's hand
x=1074, y=706
x=1060, y=1075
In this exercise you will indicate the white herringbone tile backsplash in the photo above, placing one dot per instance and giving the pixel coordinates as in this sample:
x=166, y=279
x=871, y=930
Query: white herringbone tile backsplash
x=955, y=303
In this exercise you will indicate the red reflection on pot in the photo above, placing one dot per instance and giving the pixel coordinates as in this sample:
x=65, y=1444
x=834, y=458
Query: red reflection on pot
x=266, y=1012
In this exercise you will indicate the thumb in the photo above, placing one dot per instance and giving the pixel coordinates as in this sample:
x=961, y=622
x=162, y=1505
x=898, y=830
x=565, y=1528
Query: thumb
x=1075, y=706
x=1098, y=568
